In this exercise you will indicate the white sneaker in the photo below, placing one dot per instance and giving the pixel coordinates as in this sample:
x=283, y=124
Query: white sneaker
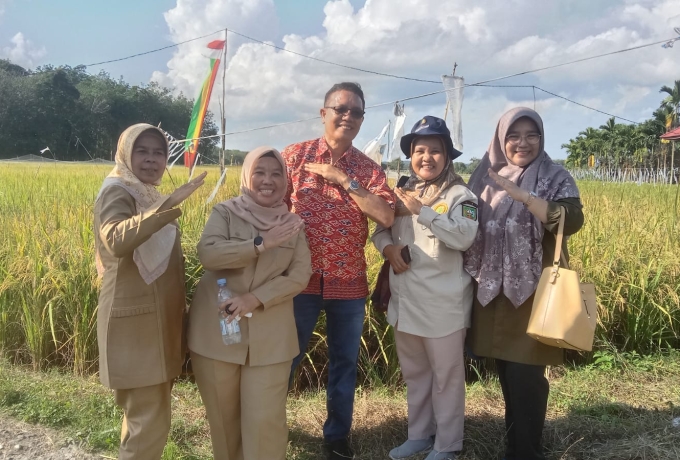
x=411, y=448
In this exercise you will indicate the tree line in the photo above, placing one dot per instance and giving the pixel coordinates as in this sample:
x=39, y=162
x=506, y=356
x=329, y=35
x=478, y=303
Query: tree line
x=620, y=146
x=73, y=112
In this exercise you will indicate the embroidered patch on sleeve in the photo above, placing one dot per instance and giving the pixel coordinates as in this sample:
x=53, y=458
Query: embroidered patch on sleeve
x=469, y=210
x=440, y=208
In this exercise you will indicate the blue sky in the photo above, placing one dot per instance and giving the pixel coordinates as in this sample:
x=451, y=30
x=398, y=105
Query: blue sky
x=81, y=32
x=418, y=38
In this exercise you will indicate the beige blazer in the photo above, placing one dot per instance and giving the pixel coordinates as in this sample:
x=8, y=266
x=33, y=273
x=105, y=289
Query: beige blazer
x=139, y=325
x=433, y=298
x=227, y=250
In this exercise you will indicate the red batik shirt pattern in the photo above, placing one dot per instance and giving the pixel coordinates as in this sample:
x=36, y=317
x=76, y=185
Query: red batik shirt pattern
x=336, y=227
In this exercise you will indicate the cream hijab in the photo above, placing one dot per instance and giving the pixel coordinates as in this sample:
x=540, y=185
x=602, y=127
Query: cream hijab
x=152, y=256
x=244, y=206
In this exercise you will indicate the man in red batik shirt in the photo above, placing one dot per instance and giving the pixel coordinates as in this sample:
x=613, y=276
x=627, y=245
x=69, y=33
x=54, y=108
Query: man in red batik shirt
x=334, y=187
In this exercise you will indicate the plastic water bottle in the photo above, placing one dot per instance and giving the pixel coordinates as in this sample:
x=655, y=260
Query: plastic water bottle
x=231, y=332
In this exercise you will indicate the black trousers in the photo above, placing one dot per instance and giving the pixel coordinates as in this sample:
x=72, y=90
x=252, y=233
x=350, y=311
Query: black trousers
x=525, y=390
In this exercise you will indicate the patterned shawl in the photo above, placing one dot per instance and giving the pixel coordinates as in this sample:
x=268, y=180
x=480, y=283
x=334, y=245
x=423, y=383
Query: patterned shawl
x=152, y=256
x=244, y=206
x=506, y=255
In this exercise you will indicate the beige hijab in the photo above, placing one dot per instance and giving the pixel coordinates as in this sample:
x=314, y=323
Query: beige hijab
x=427, y=192
x=244, y=206
x=152, y=256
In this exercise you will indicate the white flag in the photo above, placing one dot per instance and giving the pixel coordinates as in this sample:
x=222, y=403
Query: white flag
x=395, y=150
x=372, y=149
x=454, y=95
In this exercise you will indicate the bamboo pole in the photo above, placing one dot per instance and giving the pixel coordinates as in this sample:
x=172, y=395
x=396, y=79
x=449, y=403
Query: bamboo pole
x=672, y=162
x=223, y=123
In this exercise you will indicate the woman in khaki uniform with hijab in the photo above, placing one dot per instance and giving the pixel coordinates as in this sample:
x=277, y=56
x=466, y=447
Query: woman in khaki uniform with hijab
x=257, y=245
x=431, y=295
x=141, y=302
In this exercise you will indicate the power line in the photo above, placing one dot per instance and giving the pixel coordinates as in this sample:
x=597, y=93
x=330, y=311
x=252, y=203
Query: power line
x=561, y=97
x=266, y=44
x=260, y=128
x=331, y=63
x=153, y=51
x=587, y=107
x=480, y=84
x=372, y=71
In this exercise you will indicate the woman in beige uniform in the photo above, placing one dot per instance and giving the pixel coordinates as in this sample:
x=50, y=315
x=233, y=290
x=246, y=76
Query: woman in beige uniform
x=257, y=245
x=436, y=218
x=141, y=302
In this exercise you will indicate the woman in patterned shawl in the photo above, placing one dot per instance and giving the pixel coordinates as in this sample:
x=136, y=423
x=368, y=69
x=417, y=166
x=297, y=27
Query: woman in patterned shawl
x=520, y=192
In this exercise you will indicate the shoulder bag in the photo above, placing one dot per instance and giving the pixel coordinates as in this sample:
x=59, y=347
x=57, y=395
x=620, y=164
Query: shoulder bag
x=564, y=312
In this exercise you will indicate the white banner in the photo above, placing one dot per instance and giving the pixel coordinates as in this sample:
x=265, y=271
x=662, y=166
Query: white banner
x=454, y=95
x=372, y=149
x=395, y=150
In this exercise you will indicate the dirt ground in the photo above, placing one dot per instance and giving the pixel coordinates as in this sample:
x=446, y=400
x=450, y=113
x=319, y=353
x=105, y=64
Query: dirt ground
x=21, y=441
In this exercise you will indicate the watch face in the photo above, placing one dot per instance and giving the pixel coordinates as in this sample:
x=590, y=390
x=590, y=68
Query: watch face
x=354, y=185
x=259, y=240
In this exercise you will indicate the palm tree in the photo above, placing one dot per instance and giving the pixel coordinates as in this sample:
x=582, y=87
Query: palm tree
x=609, y=134
x=672, y=101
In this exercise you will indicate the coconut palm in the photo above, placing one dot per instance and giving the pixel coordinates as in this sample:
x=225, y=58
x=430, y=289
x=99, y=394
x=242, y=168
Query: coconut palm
x=672, y=101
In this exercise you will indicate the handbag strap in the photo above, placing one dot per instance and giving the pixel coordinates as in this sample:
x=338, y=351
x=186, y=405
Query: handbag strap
x=558, y=247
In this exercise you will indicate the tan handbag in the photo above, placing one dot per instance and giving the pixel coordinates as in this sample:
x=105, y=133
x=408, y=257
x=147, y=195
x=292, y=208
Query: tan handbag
x=564, y=313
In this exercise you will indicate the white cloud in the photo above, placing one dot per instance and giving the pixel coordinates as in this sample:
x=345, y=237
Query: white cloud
x=629, y=94
x=422, y=39
x=22, y=51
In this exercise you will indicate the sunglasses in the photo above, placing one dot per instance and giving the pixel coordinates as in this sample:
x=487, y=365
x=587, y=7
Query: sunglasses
x=342, y=110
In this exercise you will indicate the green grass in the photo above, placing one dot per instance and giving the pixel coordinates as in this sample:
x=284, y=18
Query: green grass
x=620, y=408
x=628, y=247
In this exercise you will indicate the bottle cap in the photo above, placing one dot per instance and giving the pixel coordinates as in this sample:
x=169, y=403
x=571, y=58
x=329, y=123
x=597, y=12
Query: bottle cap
x=221, y=282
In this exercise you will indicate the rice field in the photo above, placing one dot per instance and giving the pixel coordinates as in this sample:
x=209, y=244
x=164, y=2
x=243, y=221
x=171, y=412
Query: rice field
x=629, y=247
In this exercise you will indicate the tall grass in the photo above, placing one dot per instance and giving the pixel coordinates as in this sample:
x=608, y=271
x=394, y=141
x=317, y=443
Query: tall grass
x=629, y=247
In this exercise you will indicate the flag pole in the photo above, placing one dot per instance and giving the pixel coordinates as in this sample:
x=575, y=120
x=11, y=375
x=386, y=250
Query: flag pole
x=224, y=109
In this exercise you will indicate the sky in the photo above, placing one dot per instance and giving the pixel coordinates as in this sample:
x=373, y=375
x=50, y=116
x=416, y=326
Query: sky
x=413, y=38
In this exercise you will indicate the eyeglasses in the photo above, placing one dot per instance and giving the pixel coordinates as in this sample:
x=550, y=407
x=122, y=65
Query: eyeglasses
x=515, y=139
x=342, y=110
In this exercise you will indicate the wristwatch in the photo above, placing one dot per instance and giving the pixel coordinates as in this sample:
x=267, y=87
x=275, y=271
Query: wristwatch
x=259, y=244
x=353, y=186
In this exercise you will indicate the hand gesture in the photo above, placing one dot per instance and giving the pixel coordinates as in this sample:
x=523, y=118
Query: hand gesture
x=328, y=172
x=182, y=193
x=278, y=235
x=240, y=306
x=510, y=187
x=393, y=254
x=411, y=203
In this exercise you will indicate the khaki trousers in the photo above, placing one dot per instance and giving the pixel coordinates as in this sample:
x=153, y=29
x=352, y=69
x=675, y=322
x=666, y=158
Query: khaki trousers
x=246, y=408
x=434, y=372
x=146, y=421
